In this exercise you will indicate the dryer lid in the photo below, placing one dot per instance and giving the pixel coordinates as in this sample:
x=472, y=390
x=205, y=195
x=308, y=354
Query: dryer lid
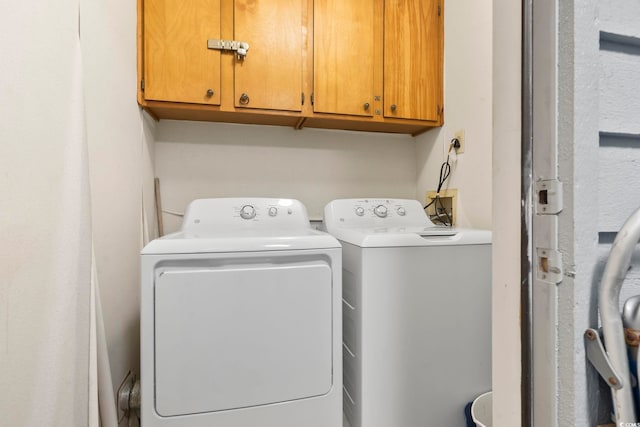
x=241, y=225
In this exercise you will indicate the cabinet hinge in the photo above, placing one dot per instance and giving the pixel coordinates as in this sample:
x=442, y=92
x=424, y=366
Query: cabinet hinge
x=440, y=110
x=302, y=98
x=439, y=11
x=142, y=85
x=312, y=99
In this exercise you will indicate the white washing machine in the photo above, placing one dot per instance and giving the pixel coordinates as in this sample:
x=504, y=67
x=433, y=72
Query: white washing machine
x=241, y=319
x=416, y=314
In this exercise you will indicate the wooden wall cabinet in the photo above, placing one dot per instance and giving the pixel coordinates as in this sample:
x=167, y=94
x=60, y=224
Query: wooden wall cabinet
x=372, y=65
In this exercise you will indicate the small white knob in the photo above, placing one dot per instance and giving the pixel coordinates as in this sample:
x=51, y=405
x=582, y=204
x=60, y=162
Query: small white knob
x=359, y=211
x=380, y=211
x=273, y=211
x=248, y=212
x=401, y=211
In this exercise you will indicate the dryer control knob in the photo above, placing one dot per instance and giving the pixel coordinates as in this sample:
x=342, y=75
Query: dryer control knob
x=380, y=211
x=401, y=211
x=247, y=212
x=273, y=211
x=359, y=211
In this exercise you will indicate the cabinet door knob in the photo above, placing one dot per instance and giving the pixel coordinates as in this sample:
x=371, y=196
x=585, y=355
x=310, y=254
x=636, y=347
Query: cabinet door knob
x=210, y=93
x=393, y=107
x=366, y=105
x=244, y=99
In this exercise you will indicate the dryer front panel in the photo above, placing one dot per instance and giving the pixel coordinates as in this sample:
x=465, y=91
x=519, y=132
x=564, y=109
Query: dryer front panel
x=236, y=336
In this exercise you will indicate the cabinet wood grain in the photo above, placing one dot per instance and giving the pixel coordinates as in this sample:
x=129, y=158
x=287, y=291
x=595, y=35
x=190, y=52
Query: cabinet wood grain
x=178, y=65
x=367, y=65
x=271, y=74
x=412, y=59
x=344, y=56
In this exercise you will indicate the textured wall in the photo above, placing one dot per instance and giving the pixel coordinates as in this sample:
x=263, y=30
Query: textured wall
x=599, y=152
x=45, y=256
x=619, y=127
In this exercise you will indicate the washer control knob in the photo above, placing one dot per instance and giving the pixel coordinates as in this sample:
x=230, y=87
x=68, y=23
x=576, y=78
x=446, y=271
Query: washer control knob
x=273, y=211
x=401, y=211
x=359, y=211
x=248, y=212
x=380, y=211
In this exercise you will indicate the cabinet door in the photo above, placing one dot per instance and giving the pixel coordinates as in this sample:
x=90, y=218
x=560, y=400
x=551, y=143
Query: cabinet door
x=343, y=53
x=412, y=68
x=271, y=73
x=178, y=66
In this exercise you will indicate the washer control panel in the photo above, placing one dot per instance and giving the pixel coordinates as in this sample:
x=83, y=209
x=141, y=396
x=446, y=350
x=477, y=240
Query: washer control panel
x=367, y=212
x=380, y=211
x=226, y=214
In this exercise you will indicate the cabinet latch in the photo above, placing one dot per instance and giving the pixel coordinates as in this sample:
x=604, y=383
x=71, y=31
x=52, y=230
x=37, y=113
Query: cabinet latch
x=240, y=48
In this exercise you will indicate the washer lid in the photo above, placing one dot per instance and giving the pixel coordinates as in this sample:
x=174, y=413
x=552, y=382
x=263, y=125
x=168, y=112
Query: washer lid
x=240, y=225
x=392, y=223
x=412, y=236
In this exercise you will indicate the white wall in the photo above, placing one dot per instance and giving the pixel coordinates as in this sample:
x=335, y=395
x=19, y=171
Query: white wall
x=45, y=261
x=468, y=107
x=120, y=155
x=199, y=160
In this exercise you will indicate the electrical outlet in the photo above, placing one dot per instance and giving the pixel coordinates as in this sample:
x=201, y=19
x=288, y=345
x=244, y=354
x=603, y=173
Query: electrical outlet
x=459, y=135
x=445, y=209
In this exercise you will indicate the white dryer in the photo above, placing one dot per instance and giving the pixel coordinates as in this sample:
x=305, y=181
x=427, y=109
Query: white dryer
x=241, y=319
x=416, y=314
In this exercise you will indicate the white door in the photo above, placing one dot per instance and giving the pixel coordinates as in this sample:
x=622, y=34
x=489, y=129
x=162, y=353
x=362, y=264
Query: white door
x=239, y=336
x=586, y=87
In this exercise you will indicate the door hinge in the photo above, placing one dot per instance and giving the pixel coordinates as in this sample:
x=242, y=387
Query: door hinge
x=440, y=110
x=142, y=85
x=302, y=98
x=548, y=197
x=439, y=11
x=312, y=99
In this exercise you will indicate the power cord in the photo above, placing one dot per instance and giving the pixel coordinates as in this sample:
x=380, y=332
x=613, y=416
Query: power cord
x=445, y=172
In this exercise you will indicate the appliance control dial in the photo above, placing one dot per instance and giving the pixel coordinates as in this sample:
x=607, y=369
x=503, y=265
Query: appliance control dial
x=273, y=211
x=247, y=212
x=401, y=211
x=359, y=211
x=380, y=211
